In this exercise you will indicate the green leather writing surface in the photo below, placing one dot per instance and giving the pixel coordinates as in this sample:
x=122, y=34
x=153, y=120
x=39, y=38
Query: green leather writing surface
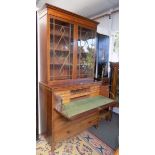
x=83, y=105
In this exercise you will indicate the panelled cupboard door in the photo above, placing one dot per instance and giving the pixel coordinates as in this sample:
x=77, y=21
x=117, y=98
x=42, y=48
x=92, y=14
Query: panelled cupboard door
x=86, y=52
x=61, y=50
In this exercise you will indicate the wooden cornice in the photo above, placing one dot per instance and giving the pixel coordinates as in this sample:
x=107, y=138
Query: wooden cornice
x=46, y=6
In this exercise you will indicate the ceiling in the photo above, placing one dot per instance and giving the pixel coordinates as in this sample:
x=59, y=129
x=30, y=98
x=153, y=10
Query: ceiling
x=87, y=8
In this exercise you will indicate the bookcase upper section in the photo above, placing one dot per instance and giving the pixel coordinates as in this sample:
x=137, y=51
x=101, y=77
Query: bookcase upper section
x=67, y=46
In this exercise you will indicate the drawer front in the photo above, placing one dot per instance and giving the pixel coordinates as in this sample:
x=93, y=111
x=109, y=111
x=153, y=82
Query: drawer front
x=105, y=91
x=75, y=127
x=61, y=122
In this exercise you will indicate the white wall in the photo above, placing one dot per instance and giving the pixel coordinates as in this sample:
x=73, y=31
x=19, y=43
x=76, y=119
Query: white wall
x=104, y=26
x=108, y=26
x=115, y=22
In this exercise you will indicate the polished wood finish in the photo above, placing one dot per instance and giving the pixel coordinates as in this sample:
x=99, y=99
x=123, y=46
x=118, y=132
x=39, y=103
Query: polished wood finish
x=67, y=15
x=114, y=80
x=105, y=90
x=67, y=94
x=43, y=49
x=74, y=74
x=57, y=126
x=47, y=13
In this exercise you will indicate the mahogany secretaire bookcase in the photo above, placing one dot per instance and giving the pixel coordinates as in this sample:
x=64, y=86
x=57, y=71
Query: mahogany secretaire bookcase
x=72, y=100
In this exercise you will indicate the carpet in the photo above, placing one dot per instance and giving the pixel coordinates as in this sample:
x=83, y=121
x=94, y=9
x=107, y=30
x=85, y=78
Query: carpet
x=83, y=144
x=108, y=131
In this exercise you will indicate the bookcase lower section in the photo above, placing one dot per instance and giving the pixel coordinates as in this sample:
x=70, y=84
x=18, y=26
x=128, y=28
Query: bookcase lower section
x=58, y=127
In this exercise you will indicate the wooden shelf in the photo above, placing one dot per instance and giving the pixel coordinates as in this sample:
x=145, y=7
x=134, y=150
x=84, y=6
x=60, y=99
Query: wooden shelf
x=82, y=53
x=57, y=34
x=79, y=95
x=60, y=50
x=82, y=65
x=61, y=64
x=61, y=77
x=85, y=74
x=60, y=24
x=65, y=66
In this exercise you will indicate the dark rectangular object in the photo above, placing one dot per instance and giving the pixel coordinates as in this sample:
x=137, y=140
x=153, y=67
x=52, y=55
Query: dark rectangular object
x=102, y=59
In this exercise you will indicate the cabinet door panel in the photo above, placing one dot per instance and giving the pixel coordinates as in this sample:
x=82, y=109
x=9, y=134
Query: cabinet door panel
x=86, y=52
x=61, y=50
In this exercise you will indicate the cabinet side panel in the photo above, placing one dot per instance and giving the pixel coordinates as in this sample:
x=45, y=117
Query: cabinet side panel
x=114, y=80
x=43, y=109
x=43, y=48
x=46, y=111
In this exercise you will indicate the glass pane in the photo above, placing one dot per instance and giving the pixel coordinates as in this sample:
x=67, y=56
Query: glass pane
x=86, y=52
x=61, y=50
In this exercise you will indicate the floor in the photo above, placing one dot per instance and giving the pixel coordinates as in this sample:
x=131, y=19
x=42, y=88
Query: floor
x=83, y=144
x=108, y=131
